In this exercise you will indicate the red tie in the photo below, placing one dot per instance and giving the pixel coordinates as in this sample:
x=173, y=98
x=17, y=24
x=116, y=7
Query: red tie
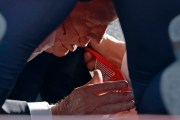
x=109, y=71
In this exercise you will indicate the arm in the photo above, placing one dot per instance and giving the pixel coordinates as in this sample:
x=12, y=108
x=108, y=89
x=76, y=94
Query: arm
x=27, y=26
x=87, y=99
x=96, y=97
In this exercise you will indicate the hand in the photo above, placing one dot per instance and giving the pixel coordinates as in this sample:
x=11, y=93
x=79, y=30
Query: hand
x=96, y=97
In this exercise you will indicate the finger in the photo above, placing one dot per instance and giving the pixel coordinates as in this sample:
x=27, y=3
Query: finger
x=90, y=60
x=108, y=86
x=115, y=97
x=88, y=57
x=97, y=78
x=114, y=108
x=91, y=65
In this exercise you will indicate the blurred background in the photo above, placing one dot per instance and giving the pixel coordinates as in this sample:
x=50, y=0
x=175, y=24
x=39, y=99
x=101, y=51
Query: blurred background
x=115, y=30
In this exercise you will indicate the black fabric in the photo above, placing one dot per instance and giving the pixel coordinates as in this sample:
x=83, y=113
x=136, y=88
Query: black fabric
x=31, y=78
x=149, y=50
x=53, y=77
x=63, y=75
x=49, y=75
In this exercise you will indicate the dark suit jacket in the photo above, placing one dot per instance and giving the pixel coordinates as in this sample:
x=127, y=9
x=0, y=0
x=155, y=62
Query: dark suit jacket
x=49, y=75
x=54, y=77
x=28, y=24
x=63, y=75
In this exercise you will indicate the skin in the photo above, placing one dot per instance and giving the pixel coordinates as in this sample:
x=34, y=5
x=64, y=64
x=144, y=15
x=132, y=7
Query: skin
x=87, y=23
x=82, y=26
x=113, y=50
x=110, y=48
x=96, y=97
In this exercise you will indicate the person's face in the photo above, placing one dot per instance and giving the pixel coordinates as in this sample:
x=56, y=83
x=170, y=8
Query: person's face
x=88, y=21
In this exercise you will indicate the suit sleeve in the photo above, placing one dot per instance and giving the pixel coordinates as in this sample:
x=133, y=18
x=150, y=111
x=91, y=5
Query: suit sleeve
x=27, y=24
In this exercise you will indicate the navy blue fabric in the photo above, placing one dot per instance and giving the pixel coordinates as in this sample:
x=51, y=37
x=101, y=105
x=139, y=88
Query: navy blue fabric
x=152, y=102
x=149, y=50
x=28, y=23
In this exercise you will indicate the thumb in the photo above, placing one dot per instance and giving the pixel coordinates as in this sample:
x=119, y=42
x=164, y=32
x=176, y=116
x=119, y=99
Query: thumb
x=90, y=60
x=97, y=77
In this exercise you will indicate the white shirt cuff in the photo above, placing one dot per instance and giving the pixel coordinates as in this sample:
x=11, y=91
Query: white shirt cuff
x=40, y=109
